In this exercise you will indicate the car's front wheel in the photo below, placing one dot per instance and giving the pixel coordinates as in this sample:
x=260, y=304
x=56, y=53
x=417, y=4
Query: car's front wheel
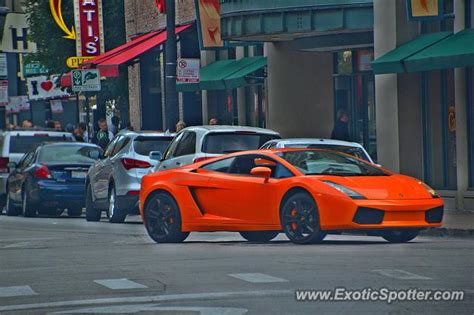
x=163, y=219
x=400, y=236
x=259, y=236
x=92, y=213
x=300, y=219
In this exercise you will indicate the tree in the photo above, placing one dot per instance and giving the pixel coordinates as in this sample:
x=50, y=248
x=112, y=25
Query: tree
x=53, y=49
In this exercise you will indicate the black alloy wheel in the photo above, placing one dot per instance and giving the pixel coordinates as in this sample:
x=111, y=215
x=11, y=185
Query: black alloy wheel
x=300, y=219
x=163, y=219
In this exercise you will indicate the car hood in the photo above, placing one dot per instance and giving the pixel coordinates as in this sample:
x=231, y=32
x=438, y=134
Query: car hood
x=394, y=187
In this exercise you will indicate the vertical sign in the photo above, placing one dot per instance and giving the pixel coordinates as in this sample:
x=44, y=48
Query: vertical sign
x=4, y=92
x=188, y=70
x=209, y=23
x=89, y=27
x=420, y=10
x=3, y=65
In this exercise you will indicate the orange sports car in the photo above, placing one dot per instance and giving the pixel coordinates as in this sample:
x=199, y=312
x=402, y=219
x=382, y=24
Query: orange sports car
x=305, y=193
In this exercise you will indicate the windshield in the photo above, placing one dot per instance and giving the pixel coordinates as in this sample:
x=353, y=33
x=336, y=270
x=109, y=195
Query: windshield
x=68, y=153
x=221, y=143
x=144, y=145
x=312, y=162
x=355, y=151
x=23, y=144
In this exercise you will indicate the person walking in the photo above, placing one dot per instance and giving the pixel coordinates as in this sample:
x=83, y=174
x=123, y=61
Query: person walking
x=341, y=127
x=213, y=122
x=180, y=125
x=102, y=136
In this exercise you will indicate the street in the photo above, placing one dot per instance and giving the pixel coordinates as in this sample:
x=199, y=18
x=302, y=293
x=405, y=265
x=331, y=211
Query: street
x=63, y=265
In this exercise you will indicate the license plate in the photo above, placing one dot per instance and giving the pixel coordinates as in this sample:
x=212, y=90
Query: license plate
x=75, y=174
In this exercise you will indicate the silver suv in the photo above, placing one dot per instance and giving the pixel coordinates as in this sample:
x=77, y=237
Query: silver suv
x=195, y=144
x=113, y=182
x=15, y=143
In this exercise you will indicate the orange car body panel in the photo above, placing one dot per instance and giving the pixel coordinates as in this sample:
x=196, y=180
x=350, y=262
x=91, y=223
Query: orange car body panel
x=213, y=201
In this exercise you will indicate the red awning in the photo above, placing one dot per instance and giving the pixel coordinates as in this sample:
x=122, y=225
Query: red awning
x=109, y=62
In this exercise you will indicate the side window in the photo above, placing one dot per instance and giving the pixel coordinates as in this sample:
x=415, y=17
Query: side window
x=221, y=166
x=121, y=143
x=172, y=147
x=187, y=145
x=243, y=165
x=110, y=147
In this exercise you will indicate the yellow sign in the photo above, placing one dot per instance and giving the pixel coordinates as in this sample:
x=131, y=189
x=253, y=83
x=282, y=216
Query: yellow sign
x=55, y=7
x=75, y=62
x=424, y=8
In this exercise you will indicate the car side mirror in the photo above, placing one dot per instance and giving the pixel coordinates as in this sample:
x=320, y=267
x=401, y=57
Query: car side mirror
x=12, y=165
x=262, y=171
x=155, y=155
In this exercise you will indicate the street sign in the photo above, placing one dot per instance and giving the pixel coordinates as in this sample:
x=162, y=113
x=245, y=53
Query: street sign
x=85, y=80
x=34, y=68
x=188, y=70
x=15, y=35
x=75, y=62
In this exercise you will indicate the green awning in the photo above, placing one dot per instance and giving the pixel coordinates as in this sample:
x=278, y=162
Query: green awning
x=224, y=74
x=455, y=51
x=393, y=61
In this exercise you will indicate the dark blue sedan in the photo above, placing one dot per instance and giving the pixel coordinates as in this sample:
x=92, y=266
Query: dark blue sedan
x=50, y=179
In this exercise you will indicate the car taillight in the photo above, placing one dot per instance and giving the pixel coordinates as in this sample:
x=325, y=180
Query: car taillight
x=42, y=172
x=132, y=163
x=4, y=164
x=202, y=158
x=133, y=193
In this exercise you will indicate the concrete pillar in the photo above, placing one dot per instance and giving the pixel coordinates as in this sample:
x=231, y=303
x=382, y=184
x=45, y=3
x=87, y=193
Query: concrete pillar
x=241, y=104
x=207, y=57
x=462, y=162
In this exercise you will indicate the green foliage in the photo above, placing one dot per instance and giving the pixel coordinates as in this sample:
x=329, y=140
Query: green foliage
x=53, y=49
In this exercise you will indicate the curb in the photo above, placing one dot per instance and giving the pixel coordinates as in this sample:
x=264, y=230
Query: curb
x=448, y=232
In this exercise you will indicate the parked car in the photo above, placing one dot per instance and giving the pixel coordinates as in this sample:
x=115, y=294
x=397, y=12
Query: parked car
x=15, y=143
x=49, y=179
x=113, y=182
x=199, y=143
x=352, y=148
x=305, y=193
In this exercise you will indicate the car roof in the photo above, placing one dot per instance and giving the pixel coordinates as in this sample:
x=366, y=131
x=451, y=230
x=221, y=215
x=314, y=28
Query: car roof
x=146, y=133
x=225, y=128
x=321, y=141
x=32, y=132
x=84, y=144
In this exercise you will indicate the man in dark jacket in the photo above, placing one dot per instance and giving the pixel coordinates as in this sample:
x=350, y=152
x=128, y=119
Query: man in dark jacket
x=341, y=127
x=102, y=137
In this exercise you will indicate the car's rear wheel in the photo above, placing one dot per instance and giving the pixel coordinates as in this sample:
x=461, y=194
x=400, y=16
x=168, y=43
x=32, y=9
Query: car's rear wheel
x=92, y=213
x=259, y=236
x=400, y=236
x=163, y=219
x=10, y=208
x=74, y=212
x=300, y=219
x=115, y=214
x=29, y=209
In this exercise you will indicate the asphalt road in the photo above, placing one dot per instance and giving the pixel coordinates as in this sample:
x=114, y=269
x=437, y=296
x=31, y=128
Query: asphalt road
x=64, y=265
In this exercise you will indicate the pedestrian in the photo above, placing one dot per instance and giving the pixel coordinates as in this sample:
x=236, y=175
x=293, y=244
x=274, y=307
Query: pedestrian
x=58, y=126
x=129, y=127
x=27, y=123
x=180, y=125
x=81, y=131
x=341, y=127
x=50, y=124
x=213, y=121
x=102, y=136
x=115, y=125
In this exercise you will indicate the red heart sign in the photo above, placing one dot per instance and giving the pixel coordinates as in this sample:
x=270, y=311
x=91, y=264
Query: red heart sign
x=47, y=85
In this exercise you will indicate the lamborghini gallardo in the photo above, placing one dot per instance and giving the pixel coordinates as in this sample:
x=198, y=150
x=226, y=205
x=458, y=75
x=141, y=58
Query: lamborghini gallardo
x=305, y=193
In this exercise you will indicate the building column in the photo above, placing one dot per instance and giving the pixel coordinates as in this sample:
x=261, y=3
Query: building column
x=207, y=57
x=462, y=162
x=241, y=106
x=386, y=87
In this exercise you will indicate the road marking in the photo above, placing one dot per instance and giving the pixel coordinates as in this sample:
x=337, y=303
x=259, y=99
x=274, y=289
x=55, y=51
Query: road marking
x=16, y=291
x=256, y=277
x=155, y=309
x=150, y=299
x=401, y=274
x=120, y=284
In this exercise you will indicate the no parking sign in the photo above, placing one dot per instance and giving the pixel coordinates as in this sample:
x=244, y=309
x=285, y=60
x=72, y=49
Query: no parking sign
x=188, y=70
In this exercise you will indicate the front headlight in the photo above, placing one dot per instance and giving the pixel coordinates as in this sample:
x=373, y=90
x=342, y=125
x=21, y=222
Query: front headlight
x=431, y=191
x=349, y=192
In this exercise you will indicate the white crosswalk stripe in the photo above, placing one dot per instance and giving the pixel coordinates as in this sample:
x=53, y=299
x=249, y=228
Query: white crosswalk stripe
x=22, y=290
x=120, y=284
x=257, y=277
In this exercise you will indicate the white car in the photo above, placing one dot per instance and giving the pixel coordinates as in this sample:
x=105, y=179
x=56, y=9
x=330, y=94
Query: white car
x=198, y=143
x=352, y=148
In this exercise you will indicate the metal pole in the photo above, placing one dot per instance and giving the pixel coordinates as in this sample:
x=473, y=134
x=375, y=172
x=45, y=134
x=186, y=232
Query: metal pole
x=171, y=96
x=88, y=117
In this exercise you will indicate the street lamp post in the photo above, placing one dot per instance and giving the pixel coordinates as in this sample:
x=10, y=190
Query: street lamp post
x=171, y=96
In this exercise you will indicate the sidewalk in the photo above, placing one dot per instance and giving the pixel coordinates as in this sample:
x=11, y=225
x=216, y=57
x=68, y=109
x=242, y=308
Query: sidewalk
x=455, y=224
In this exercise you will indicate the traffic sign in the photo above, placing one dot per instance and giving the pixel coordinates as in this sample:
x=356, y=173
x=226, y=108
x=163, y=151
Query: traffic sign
x=188, y=70
x=85, y=80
